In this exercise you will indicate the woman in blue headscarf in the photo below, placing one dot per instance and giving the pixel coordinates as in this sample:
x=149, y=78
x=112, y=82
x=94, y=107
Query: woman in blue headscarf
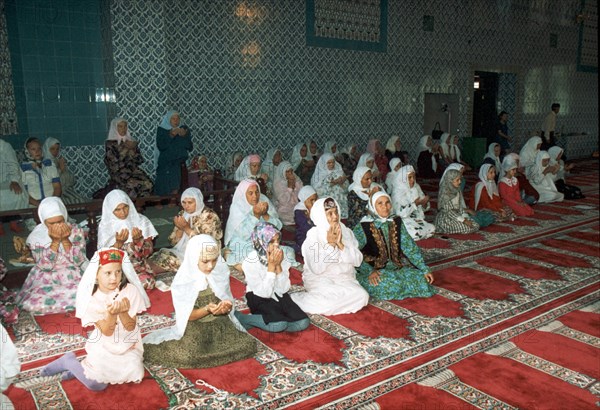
x=174, y=141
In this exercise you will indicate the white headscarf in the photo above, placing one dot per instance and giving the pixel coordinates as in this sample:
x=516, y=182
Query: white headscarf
x=364, y=158
x=268, y=164
x=49, y=207
x=554, y=152
x=241, y=208
x=373, y=215
x=390, y=179
x=319, y=218
x=539, y=158
x=454, y=165
x=490, y=186
x=189, y=281
x=445, y=144
x=110, y=224
x=305, y=192
x=328, y=146
x=356, y=186
x=348, y=150
x=455, y=153
x=529, y=151
x=9, y=365
x=243, y=171
x=281, y=170
x=511, y=161
x=196, y=194
x=492, y=155
x=88, y=280
x=113, y=133
x=402, y=187
x=322, y=172
x=423, y=147
x=49, y=142
x=391, y=143
x=296, y=158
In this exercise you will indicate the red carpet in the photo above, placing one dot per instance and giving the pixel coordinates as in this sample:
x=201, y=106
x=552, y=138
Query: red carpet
x=578, y=247
x=544, y=216
x=434, y=306
x=374, y=322
x=431, y=243
x=554, y=258
x=588, y=236
x=586, y=322
x=476, y=284
x=516, y=267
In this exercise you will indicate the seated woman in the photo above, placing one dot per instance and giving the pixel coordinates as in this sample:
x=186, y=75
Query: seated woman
x=445, y=145
x=267, y=276
x=194, y=219
x=485, y=195
x=453, y=216
x=285, y=192
x=529, y=152
x=12, y=193
x=303, y=164
x=307, y=197
x=123, y=159
x=541, y=177
x=270, y=164
x=121, y=227
x=58, y=248
x=392, y=176
x=375, y=148
x=393, y=148
x=330, y=148
x=569, y=191
x=248, y=208
x=109, y=297
x=52, y=151
x=313, y=151
x=40, y=176
x=234, y=163
x=206, y=333
x=173, y=142
x=250, y=168
x=429, y=161
x=329, y=180
x=455, y=154
x=359, y=192
x=350, y=159
x=492, y=157
x=509, y=189
x=331, y=256
x=384, y=242
x=200, y=174
x=367, y=160
x=410, y=203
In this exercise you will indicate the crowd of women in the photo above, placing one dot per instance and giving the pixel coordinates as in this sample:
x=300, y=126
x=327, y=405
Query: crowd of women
x=356, y=218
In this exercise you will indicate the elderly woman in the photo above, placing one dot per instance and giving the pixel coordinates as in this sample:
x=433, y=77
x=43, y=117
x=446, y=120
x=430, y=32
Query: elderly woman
x=303, y=164
x=329, y=180
x=384, y=242
x=429, y=160
x=359, y=192
x=410, y=203
x=285, y=192
x=58, y=248
x=206, y=332
x=194, y=219
x=541, y=176
x=52, y=151
x=331, y=256
x=123, y=159
x=174, y=142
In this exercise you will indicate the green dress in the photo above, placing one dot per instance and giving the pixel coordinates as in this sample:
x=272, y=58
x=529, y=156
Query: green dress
x=208, y=342
x=384, y=246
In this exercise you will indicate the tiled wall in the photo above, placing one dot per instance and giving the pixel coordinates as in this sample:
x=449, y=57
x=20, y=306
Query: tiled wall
x=243, y=78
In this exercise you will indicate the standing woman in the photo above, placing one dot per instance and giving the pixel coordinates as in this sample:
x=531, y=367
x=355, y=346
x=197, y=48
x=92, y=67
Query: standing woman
x=329, y=180
x=58, y=248
x=286, y=187
x=384, y=242
x=174, y=142
x=359, y=192
x=123, y=159
x=206, y=332
x=52, y=151
x=122, y=227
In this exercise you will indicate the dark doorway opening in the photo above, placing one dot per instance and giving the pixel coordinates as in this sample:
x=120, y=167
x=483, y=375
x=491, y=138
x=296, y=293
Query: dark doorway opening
x=485, y=98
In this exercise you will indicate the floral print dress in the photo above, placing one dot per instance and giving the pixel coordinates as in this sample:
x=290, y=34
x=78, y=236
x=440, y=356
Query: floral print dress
x=123, y=164
x=9, y=312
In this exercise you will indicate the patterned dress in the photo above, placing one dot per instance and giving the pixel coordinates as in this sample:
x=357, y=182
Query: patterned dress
x=9, y=312
x=357, y=208
x=123, y=164
x=139, y=253
x=384, y=245
x=51, y=285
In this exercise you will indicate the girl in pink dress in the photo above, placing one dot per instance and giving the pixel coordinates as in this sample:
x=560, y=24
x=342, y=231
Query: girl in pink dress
x=109, y=297
x=509, y=189
x=58, y=248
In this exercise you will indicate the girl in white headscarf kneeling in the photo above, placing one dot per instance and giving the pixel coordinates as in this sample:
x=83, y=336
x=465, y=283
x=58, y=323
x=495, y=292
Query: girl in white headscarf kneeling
x=109, y=297
x=410, y=203
x=206, y=333
x=58, y=248
x=194, y=219
x=331, y=256
x=384, y=242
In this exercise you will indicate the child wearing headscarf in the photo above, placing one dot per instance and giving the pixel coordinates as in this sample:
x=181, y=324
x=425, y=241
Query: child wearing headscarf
x=569, y=191
x=174, y=142
x=306, y=197
x=52, y=150
x=267, y=275
x=285, y=192
x=194, y=219
x=206, y=332
x=109, y=297
x=40, y=176
x=122, y=227
x=509, y=189
x=58, y=248
x=453, y=216
x=329, y=180
x=541, y=178
x=485, y=195
x=331, y=256
x=410, y=203
x=359, y=192
x=123, y=159
x=384, y=242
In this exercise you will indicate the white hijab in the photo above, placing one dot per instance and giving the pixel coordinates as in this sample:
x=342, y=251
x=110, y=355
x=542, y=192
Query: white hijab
x=88, y=280
x=445, y=144
x=49, y=142
x=454, y=165
x=319, y=232
x=455, y=153
x=423, y=147
x=402, y=187
x=492, y=155
x=554, y=152
x=113, y=133
x=296, y=158
x=538, y=167
x=356, y=186
x=110, y=224
x=189, y=281
x=243, y=170
x=490, y=186
x=372, y=213
x=190, y=193
x=511, y=161
x=391, y=144
x=390, y=179
x=281, y=170
x=529, y=151
x=322, y=172
x=241, y=208
x=305, y=192
x=49, y=207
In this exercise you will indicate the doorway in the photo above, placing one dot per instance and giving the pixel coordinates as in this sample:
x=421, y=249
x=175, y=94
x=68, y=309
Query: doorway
x=485, y=98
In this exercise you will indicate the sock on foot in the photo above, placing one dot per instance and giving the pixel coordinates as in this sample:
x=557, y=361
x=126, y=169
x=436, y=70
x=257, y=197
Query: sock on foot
x=57, y=366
